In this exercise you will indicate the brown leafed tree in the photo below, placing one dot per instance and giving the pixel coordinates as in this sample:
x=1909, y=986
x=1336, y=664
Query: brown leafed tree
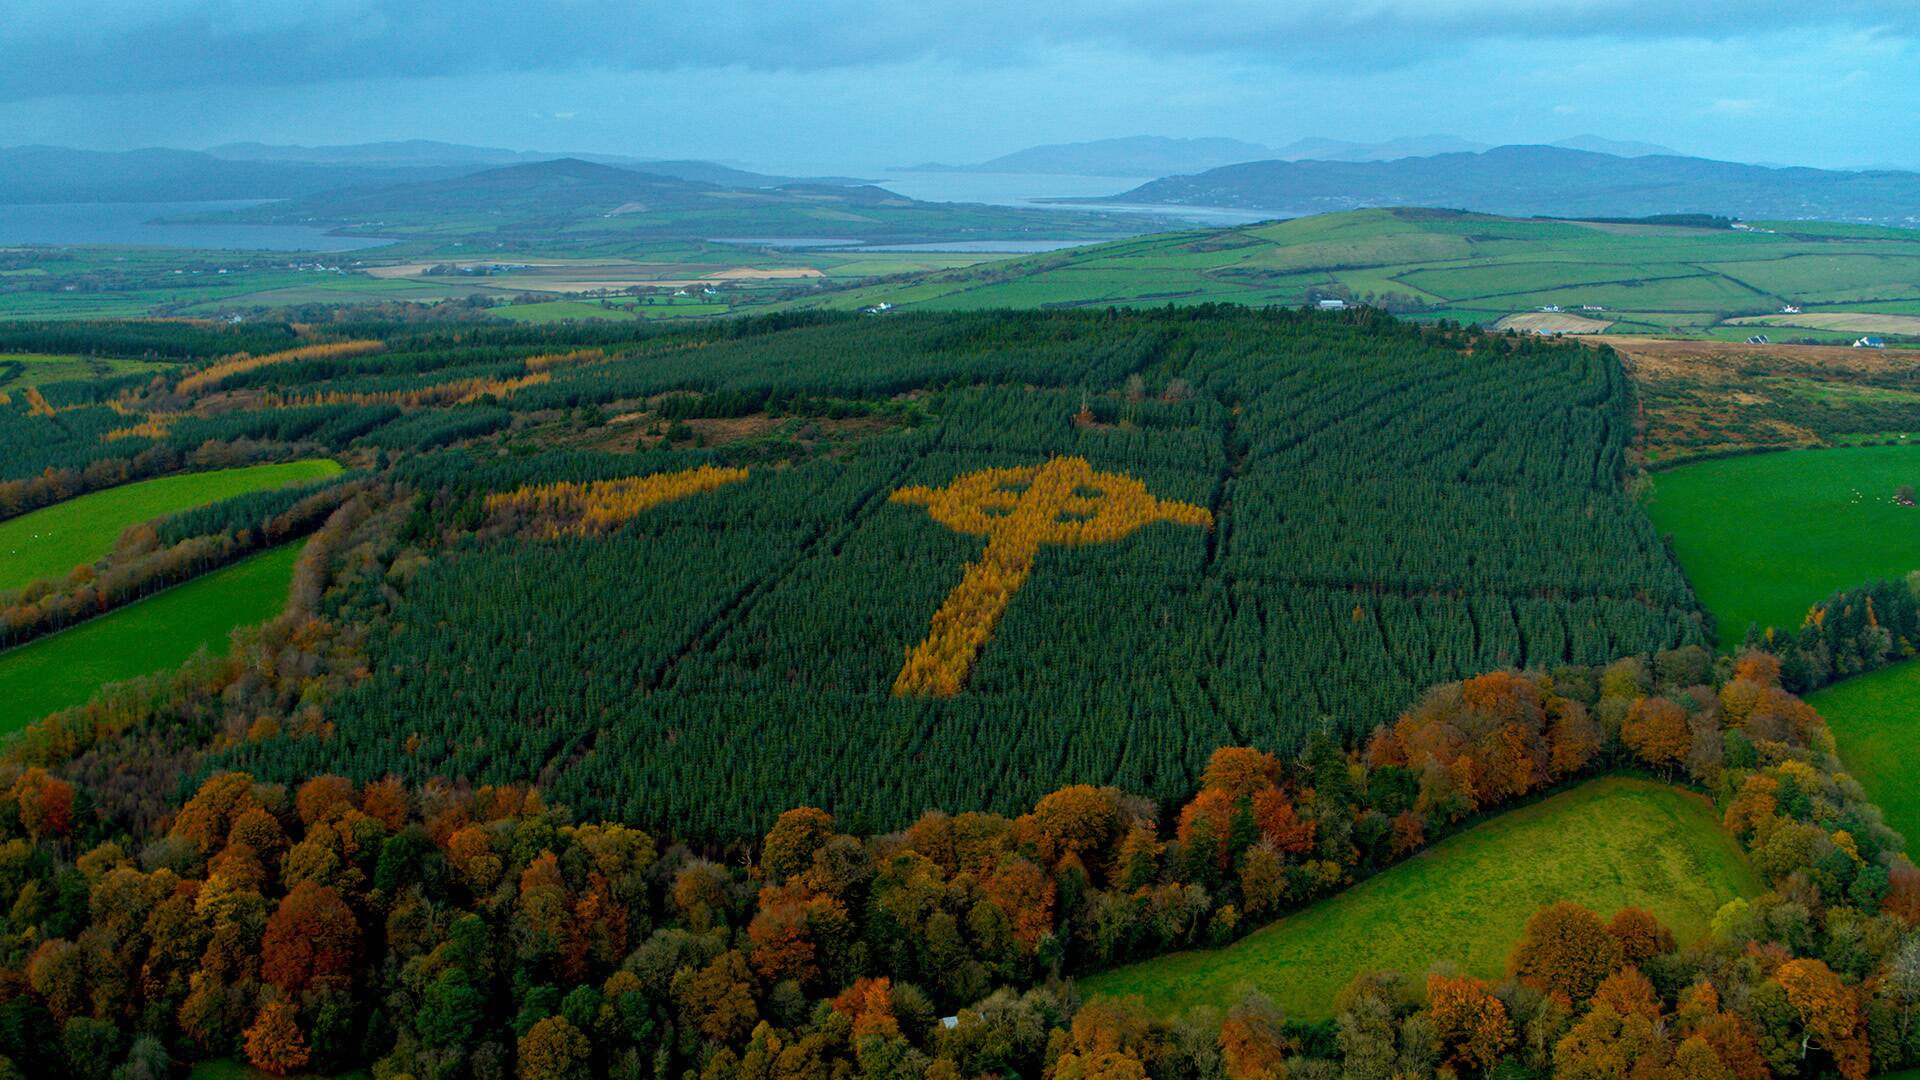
x=275, y=1043
x=310, y=941
x=1566, y=950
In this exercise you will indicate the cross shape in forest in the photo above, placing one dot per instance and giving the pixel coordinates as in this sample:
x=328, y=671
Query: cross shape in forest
x=1061, y=502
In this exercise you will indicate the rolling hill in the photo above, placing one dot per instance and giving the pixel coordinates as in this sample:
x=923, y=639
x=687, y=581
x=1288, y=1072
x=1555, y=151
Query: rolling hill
x=55, y=174
x=429, y=152
x=1641, y=278
x=1135, y=155
x=1156, y=155
x=580, y=204
x=1549, y=180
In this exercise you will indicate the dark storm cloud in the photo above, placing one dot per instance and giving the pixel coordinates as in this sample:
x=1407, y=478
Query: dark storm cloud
x=56, y=47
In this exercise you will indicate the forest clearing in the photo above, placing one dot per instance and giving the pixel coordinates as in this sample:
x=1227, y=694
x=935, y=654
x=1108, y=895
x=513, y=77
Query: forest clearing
x=1607, y=844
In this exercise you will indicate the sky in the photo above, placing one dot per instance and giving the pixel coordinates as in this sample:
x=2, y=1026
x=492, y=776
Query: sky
x=849, y=85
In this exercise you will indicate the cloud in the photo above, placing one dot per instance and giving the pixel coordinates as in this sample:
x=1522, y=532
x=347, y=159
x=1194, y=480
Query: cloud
x=120, y=46
x=1736, y=106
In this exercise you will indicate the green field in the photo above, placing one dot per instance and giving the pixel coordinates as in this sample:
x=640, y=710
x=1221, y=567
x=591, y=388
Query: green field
x=48, y=543
x=134, y=282
x=563, y=310
x=154, y=634
x=1608, y=844
x=1443, y=264
x=1764, y=537
x=1876, y=723
x=21, y=370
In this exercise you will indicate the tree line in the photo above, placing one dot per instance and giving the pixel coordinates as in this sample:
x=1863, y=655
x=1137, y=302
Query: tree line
x=450, y=930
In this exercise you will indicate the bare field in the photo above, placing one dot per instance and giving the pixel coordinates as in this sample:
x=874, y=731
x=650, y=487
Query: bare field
x=1858, y=322
x=1722, y=361
x=573, y=276
x=1705, y=397
x=1549, y=322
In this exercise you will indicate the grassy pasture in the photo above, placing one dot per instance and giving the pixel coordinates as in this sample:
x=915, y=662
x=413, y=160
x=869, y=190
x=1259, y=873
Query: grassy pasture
x=153, y=634
x=563, y=310
x=1608, y=844
x=1764, y=537
x=1876, y=724
x=21, y=370
x=52, y=541
x=1665, y=279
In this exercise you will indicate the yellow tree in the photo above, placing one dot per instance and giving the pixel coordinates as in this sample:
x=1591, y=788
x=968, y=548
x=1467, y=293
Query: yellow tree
x=554, y=1049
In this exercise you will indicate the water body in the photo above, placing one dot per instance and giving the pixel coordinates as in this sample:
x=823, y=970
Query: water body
x=133, y=225
x=1045, y=191
x=1015, y=247
x=817, y=243
x=1006, y=189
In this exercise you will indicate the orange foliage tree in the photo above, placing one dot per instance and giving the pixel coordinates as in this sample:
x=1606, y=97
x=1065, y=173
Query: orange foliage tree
x=275, y=1043
x=1567, y=950
x=1470, y=1025
x=309, y=941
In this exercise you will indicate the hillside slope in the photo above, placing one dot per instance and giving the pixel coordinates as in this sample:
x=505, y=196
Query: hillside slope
x=1548, y=180
x=576, y=204
x=1447, y=264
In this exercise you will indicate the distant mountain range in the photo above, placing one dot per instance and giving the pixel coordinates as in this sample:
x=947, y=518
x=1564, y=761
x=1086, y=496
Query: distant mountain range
x=1548, y=180
x=1137, y=155
x=1155, y=155
x=52, y=174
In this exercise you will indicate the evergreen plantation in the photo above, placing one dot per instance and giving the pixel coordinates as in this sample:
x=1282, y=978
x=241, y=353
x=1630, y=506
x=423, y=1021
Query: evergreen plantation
x=1392, y=507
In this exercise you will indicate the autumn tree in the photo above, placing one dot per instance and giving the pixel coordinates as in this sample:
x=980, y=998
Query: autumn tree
x=1827, y=1010
x=386, y=801
x=554, y=1049
x=718, y=998
x=1655, y=729
x=791, y=843
x=1025, y=895
x=1606, y=1044
x=45, y=803
x=1252, y=1043
x=275, y=1043
x=1238, y=772
x=1078, y=820
x=1471, y=1026
x=1566, y=949
x=1640, y=935
x=870, y=1003
x=320, y=798
x=310, y=941
x=1104, y=1043
x=209, y=815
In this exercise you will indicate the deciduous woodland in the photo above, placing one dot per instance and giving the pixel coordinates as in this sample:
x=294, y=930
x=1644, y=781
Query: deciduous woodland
x=579, y=748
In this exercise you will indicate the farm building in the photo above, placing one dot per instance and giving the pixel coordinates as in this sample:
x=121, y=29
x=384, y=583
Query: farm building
x=1870, y=342
x=1758, y=339
x=1332, y=305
